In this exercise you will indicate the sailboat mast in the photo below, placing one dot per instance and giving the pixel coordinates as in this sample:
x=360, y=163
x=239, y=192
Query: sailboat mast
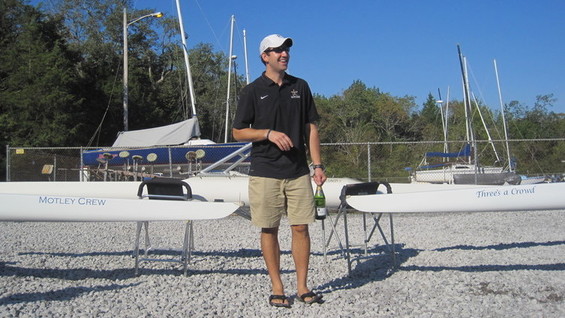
x=446, y=121
x=245, y=56
x=467, y=101
x=186, y=62
x=439, y=102
x=503, y=119
x=229, y=78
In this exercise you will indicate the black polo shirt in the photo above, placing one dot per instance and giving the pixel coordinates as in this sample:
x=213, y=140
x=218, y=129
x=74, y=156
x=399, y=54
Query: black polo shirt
x=287, y=108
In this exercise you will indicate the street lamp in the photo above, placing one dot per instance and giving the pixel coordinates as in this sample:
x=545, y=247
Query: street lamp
x=126, y=25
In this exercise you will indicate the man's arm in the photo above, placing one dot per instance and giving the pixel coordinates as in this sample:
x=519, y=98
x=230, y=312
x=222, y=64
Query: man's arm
x=254, y=135
x=313, y=139
x=250, y=134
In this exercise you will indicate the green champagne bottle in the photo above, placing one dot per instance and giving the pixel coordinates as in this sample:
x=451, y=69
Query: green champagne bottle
x=320, y=203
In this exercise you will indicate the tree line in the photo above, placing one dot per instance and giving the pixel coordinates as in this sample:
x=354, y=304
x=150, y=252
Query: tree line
x=61, y=85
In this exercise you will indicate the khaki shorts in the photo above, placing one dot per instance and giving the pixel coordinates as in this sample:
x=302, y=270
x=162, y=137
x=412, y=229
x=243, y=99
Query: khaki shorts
x=270, y=198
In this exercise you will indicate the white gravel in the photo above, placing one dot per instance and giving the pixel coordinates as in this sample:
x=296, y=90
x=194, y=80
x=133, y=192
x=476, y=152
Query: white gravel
x=450, y=265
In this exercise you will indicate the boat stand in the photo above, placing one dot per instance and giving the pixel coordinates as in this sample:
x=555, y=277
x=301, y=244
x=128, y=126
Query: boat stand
x=164, y=189
x=186, y=253
x=345, y=247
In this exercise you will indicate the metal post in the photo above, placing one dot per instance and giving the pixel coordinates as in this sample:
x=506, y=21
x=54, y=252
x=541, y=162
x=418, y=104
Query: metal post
x=55, y=168
x=245, y=55
x=502, y=112
x=125, y=30
x=186, y=61
x=125, y=35
x=347, y=252
x=7, y=162
x=81, y=172
x=170, y=162
x=369, y=162
x=231, y=58
x=324, y=247
x=393, y=251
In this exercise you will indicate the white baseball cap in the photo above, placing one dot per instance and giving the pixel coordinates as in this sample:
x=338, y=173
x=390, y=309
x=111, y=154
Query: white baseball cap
x=274, y=40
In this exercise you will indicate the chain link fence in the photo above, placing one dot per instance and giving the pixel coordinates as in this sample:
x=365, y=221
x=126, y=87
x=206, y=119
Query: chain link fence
x=119, y=164
x=365, y=161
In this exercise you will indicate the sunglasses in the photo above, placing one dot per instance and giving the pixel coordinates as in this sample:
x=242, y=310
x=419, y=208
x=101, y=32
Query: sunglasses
x=279, y=49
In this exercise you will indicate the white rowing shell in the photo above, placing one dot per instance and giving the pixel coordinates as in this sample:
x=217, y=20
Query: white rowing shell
x=211, y=189
x=56, y=208
x=548, y=196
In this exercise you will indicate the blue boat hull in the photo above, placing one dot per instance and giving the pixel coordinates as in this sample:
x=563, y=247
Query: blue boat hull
x=208, y=154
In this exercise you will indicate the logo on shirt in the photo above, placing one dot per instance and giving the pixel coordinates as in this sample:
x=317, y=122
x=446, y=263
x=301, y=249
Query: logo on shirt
x=294, y=94
x=263, y=97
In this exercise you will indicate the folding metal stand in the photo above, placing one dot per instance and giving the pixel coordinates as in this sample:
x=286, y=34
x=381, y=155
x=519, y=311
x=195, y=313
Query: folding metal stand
x=345, y=248
x=164, y=189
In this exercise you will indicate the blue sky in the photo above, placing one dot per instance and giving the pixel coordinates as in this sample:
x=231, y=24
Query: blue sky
x=401, y=47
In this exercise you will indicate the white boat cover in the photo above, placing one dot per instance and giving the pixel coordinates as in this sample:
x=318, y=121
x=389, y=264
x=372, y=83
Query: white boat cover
x=174, y=134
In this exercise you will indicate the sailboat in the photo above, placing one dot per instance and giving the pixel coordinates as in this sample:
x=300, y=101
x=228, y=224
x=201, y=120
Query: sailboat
x=469, y=170
x=162, y=148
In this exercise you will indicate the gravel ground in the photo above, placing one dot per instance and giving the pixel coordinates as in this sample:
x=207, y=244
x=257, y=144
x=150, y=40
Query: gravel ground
x=449, y=265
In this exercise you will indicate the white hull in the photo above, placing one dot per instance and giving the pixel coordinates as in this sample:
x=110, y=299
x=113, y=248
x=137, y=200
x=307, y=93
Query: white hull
x=77, y=201
x=469, y=199
x=56, y=208
x=447, y=173
x=532, y=180
x=209, y=188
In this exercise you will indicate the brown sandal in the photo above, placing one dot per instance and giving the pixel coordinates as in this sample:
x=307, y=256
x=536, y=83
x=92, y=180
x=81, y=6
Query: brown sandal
x=314, y=298
x=279, y=297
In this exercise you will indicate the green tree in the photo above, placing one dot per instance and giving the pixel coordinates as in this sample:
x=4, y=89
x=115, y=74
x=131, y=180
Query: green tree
x=38, y=82
x=37, y=95
x=359, y=115
x=392, y=117
x=430, y=112
x=534, y=123
x=429, y=120
x=95, y=29
x=158, y=88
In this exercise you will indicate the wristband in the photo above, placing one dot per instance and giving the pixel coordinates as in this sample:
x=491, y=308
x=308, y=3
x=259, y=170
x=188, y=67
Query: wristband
x=321, y=166
x=268, y=133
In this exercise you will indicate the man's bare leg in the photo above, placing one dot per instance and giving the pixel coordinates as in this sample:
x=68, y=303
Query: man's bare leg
x=272, y=256
x=301, y=256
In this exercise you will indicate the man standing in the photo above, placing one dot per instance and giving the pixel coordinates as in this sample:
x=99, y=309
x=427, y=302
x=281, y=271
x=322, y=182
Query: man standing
x=277, y=113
